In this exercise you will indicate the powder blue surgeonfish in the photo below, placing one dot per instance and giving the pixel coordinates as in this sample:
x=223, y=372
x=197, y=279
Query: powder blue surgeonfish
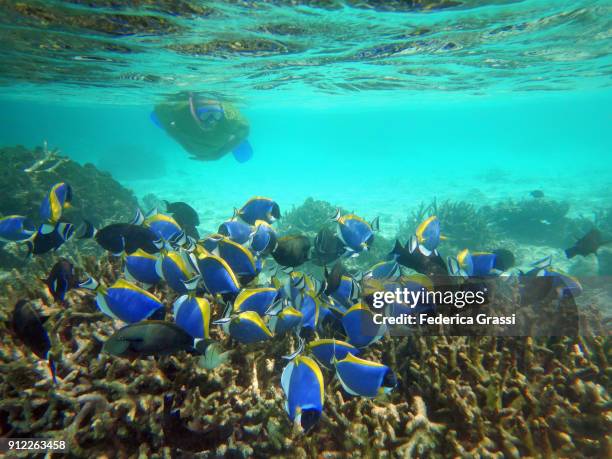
x=286, y=320
x=564, y=284
x=217, y=276
x=326, y=350
x=247, y=327
x=124, y=300
x=358, y=323
x=54, y=203
x=309, y=308
x=240, y=260
x=347, y=291
x=49, y=237
x=480, y=264
x=192, y=314
x=255, y=299
x=263, y=239
x=363, y=377
x=259, y=208
x=355, y=232
x=141, y=267
x=384, y=270
x=15, y=228
x=175, y=269
x=237, y=230
x=164, y=226
x=302, y=382
x=428, y=235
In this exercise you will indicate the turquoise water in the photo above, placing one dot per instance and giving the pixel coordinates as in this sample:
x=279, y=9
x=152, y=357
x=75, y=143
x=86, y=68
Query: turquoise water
x=372, y=106
x=377, y=107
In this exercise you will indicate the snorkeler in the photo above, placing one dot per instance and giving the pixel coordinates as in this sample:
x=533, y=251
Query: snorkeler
x=208, y=129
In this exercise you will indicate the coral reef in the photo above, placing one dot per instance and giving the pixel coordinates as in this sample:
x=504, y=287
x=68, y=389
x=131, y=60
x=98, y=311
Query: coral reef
x=464, y=224
x=314, y=214
x=457, y=396
x=308, y=218
x=98, y=197
x=30, y=174
x=540, y=221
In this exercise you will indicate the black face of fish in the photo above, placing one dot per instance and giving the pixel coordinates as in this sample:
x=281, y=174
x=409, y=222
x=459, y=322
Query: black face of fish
x=178, y=435
x=535, y=288
x=151, y=337
x=49, y=238
x=333, y=278
x=28, y=326
x=587, y=244
x=275, y=211
x=111, y=237
x=292, y=250
x=328, y=247
x=432, y=265
x=183, y=213
x=309, y=419
x=61, y=279
x=119, y=237
x=504, y=259
x=390, y=380
x=537, y=194
x=139, y=237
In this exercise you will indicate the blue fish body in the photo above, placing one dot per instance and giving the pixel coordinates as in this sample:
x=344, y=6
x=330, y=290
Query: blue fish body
x=164, y=226
x=384, y=270
x=259, y=208
x=192, y=314
x=53, y=204
x=175, y=270
x=240, y=259
x=310, y=310
x=355, y=232
x=564, y=284
x=364, y=378
x=238, y=231
x=211, y=242
x=263, y=240
x=248, y=327
x=141, y=267
x=358, y=323
x=256, y=299
x=344, y=293
x=483, y=264
x=286, y=320
x=302, y=383
x=15, y=228
x=127, y=302
x=217, y=276
x=428, y=234
x=326, y=350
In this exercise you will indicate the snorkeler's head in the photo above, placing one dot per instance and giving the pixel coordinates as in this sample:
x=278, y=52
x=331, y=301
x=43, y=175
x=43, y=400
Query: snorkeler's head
x=206, y=112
